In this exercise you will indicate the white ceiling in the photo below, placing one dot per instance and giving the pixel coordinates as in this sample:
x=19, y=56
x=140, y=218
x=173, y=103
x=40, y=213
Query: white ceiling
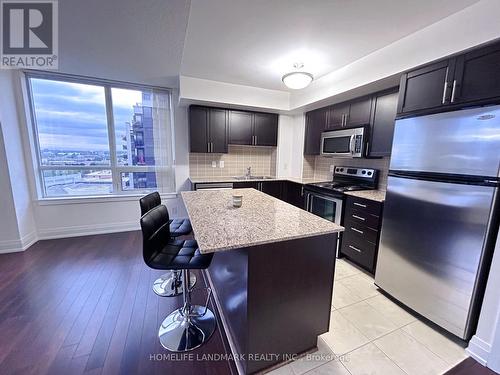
x=255, y=42
x=126, y=40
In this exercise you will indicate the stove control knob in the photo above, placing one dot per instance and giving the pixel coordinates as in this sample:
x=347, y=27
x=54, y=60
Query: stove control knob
x=369, y=173
x=342, y=169
x=363, y=172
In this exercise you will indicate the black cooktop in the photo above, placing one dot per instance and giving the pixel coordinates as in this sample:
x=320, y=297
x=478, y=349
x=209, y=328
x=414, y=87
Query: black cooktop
x=349, y=179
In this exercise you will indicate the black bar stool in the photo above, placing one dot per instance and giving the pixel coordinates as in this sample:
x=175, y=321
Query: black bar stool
x=190, y=326
x=170, y=283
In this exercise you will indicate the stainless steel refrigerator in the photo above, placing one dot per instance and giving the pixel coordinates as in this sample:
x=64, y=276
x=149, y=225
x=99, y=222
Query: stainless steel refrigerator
x=441, y=213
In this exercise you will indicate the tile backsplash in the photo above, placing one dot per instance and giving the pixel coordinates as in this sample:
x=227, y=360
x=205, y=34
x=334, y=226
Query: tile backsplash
x=318, y=167
x=261, y=159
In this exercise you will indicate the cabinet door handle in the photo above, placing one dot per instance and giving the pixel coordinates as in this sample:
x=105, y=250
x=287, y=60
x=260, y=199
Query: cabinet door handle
x=346, y=118
x=444, y=92
x=211, y=146
x=208, y=146
x=453, y=91
x=357, y=230
x=359, y=204
x=355, y=249
x=255, y=140
x=358, y=217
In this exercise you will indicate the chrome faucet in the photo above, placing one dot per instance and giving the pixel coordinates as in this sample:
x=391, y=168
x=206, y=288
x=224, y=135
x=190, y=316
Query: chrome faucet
x=249, y=172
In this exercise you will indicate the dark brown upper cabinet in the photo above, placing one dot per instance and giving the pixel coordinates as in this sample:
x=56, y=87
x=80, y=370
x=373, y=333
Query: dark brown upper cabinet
x=477, y=75
x=253, y=128
x=352, y=113
x=315, y=124
x=217, y=130
x=359, y=112
x=427, y=87
x=240, y=128
x=212, y=129
x=471, y=78
x=337, y=115
x=198, y=129
x=382, y=124
x=208, y=130
x=265, y=129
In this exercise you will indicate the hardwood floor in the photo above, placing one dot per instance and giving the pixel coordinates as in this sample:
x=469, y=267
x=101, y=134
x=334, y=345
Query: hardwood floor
x=470, y=367
x=85, y=305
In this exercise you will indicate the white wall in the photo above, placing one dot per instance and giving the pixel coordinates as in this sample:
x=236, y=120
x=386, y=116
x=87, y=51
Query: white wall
x=9, y=231
x=16, y=171
x=290, y=145
x=207, y=91
x=485, y=344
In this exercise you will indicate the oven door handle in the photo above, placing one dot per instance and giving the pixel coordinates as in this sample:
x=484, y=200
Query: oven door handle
x=308, y=202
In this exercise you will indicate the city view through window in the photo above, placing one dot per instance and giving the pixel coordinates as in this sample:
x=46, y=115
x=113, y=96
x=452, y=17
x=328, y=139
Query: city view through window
x=78, y=154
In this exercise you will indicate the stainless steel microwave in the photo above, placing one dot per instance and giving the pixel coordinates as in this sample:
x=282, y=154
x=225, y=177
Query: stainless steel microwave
x=347, y=143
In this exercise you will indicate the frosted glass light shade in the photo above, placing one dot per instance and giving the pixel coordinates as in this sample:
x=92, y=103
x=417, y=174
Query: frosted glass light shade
x=297, y=80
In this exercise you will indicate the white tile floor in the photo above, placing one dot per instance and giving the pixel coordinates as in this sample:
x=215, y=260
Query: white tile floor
x=371, y=335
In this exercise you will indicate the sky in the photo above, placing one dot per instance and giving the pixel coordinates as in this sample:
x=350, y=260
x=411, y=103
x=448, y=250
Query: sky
x=72, y=116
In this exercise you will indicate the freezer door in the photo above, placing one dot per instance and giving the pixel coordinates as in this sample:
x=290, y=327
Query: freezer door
x=465, y=142
x=432, y=240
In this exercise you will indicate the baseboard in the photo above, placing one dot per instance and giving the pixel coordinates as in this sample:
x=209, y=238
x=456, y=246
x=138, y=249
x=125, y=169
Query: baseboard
x=479, y=350
x=14, y=246
x=86, y=230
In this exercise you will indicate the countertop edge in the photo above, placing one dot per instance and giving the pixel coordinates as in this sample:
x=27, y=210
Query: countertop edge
x=373, y=195
x=258, y=243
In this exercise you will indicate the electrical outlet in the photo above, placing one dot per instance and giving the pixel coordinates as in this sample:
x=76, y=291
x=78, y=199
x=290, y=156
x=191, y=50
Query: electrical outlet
x=214, y=164
x=221, y=164
x=332, y=167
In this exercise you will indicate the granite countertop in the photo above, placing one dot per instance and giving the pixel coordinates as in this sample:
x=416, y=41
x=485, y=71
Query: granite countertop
x=299, y=180
x=374, y=195
x=261, y=219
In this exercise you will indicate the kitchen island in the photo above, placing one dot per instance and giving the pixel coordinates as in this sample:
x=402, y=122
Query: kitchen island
x=272, y=272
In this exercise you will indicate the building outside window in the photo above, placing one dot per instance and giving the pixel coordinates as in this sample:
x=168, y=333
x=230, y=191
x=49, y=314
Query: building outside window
x=96, y=138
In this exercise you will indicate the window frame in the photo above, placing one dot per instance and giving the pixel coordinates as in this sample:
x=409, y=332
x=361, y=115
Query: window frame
x=116, y=169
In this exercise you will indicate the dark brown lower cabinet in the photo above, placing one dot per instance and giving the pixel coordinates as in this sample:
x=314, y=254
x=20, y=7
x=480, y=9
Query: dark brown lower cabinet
x=293, y=193
x=246, y=185
x=288, y=191
x=273, y=188
x=362, y=221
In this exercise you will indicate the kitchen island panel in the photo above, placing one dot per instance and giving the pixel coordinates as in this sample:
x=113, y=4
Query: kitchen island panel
x=276, y=298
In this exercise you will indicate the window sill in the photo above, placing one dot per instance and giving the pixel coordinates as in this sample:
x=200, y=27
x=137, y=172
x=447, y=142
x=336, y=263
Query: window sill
x=97, y=199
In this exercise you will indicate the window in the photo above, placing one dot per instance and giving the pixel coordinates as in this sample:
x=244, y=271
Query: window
x=95, y=138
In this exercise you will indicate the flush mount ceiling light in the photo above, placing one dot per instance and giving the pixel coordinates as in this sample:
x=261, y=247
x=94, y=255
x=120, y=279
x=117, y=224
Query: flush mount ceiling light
x=298, y=79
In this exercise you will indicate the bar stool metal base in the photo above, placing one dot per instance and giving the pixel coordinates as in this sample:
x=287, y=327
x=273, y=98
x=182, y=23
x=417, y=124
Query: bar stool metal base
x=167, y=285
x=180, y=333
